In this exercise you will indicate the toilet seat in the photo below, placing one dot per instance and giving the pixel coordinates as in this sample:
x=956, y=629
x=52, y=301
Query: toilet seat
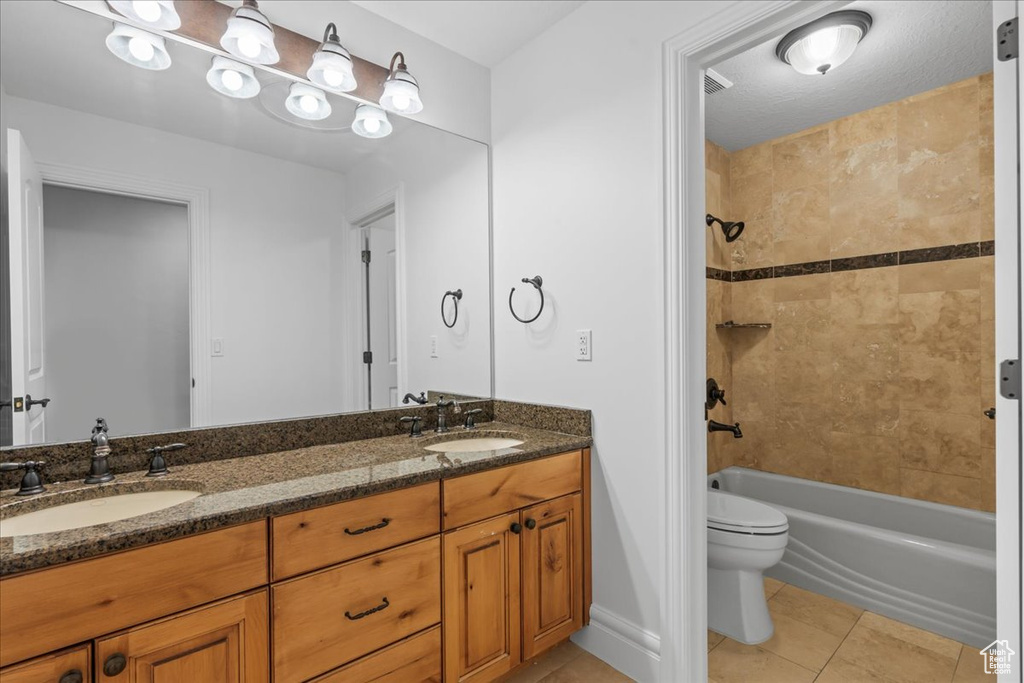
x=735, y=514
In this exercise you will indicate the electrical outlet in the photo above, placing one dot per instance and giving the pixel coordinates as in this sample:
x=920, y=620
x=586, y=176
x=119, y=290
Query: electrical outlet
x=584, y=342
x=433, y=347
x=217, y=347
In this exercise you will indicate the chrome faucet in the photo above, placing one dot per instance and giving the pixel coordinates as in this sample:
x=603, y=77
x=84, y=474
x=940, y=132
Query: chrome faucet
x=442, y=418
x=99, y=470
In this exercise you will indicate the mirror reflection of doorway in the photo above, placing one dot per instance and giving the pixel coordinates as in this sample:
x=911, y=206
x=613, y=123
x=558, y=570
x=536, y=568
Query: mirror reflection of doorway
x=380, y=325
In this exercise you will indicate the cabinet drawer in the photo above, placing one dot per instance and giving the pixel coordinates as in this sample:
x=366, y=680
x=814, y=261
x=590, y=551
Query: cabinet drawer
x=317, y=538
x=486, y=494
x=52, y=668
x=414, y=660
x=72, y=603
x=332, y=617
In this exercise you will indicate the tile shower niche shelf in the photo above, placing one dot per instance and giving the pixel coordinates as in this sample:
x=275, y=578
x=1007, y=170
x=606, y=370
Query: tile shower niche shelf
x=731, y=325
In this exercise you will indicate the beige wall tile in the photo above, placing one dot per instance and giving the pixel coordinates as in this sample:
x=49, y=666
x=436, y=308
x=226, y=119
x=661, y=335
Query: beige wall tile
x=758, y=439
x=940, y=276
x=756, y=160
x=938, y=124
x=866, y=407
x=800, y=224
x=923, y=232
x=802, y=325
x=864, y=176
x=866, y=352
x=803, y=287
x=802, y=442
x=939, y=184
x=940, y=442
x=863, y=128
x=987, y=204
x=866, y=462
x=861, y=297
x=940, y=488
x=800, y=161
x=988, y=480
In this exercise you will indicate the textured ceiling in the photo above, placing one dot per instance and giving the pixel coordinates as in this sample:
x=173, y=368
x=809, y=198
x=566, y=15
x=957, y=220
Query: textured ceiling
x=913, y=46
x=485, y=32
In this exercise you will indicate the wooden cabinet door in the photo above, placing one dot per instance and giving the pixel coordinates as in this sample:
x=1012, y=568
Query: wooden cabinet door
x=481, y=600
x=552, y=573
x=69, y=666
x=226, y=642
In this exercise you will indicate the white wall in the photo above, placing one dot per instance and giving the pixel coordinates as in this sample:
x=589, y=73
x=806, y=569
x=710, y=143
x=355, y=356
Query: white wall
x=276, y=254
x=116, y=316
x=456, y=91
x=578, y=167
x=5, y=292
x=443, y=246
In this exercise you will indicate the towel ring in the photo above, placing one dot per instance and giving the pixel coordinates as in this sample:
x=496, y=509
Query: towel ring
x=456, y=296
x=537, y=282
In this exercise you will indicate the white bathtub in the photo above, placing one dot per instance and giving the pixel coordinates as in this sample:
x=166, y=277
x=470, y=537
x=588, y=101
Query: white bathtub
x=930, y=565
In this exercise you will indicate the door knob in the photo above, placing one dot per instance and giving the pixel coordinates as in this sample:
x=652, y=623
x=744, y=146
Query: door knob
x=516, y=527
x=531, y=524
x=990, y=413
x=115, y=664
x=29, y=402
x=73, y=676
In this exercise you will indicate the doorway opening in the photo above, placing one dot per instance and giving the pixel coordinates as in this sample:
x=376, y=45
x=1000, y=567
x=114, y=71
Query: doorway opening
x=379, y=256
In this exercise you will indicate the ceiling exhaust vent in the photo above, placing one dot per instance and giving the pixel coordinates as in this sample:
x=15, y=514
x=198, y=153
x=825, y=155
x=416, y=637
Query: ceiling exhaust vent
x=715, y=82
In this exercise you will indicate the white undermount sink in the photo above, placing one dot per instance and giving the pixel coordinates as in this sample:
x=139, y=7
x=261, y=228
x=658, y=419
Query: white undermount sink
x=91, y=512
x=484, y=443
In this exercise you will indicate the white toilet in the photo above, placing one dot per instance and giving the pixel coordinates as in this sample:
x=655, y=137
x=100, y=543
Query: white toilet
x=745, y=537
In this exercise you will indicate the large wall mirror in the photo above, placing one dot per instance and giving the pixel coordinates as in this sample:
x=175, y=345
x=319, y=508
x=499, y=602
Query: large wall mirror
x=176, y=258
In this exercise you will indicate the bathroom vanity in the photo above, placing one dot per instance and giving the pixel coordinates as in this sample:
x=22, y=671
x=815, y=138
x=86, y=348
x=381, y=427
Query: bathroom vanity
x=425, y=565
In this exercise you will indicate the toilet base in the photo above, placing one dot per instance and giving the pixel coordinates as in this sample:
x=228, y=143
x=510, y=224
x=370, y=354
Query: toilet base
x=737, y=607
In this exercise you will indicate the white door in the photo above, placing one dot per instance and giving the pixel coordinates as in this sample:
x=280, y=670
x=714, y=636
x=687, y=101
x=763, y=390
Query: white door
x=28, y=369
x=383, y=337
x=1008, y=154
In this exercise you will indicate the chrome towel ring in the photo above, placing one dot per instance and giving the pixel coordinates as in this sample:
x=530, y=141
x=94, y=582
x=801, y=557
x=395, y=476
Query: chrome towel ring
x=537, y=282
x=456, y=296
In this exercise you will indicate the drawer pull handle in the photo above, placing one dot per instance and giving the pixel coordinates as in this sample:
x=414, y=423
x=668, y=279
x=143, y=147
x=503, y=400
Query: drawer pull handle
x=383, y=523
x=73, y=676
x=531, y=524
x=384, y=605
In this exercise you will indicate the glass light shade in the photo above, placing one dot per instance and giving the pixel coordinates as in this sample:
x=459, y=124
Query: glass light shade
x=371, y=122
x=824, y=50
x=154, y=13
x=401, y=94
x=232, y=78
x=332, y=68
x=138, y=48
x=825, y=43
x=250, y=36
x=307, y=102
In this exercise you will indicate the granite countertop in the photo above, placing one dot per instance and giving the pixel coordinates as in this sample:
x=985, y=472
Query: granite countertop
x=245, y=489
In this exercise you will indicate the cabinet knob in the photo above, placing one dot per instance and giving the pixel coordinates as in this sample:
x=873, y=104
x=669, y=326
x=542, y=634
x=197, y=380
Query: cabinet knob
x=115, y=664
x=531, y=524
x=73, y=676
x=516, y=527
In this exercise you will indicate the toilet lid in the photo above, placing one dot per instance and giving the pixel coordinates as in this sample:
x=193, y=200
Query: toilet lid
x=729, y=511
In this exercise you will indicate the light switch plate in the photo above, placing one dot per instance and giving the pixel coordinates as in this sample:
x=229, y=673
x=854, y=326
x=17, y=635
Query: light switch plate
x=217, y=347
x=584, y=342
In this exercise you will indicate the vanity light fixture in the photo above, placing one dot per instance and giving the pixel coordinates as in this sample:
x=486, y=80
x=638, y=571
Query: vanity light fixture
x=154, y=13
x=138, y=48
x=250, y=35
x=371, y=122
x=332, y=64
x=401, y=91
x=825, y=43
x=307, y=102
x=232, y=78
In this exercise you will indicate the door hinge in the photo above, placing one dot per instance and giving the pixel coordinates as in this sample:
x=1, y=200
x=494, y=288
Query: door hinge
x=1009, y=379
x=1006, y=40
x=368, y=357
x=366, y=256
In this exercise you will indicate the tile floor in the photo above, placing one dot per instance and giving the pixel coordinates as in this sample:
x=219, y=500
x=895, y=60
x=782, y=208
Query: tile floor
x=827, y=641
x=816, y=639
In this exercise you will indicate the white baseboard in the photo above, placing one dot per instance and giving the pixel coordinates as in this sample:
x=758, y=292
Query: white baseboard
x=626, y=646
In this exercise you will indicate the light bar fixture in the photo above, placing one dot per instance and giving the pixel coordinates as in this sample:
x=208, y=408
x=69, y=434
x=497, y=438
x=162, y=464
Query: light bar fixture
x=138, y=48
x=159, y=14
x=250, y=35
x=232, y=78
x=371, y=122
x=332, y=64
x=401, y=91
x=307, y=102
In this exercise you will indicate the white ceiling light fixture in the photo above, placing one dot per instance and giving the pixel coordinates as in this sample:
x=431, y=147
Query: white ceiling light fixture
x=307, y=102
x=401, y=91
x=250, y=35
x=825, y=43
x=232, y=78
x=138, y=48
x=371, y=122
x=154, y=13
x=332, y=64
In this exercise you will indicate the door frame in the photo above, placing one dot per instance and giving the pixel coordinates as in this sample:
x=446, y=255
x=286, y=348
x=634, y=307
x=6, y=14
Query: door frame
x=360, y=217
x=197, y=202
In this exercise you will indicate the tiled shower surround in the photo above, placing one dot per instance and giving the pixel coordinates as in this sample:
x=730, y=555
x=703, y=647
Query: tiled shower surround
x=876, y=370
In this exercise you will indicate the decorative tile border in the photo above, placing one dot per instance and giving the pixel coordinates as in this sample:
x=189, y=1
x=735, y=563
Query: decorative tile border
x=949, y=252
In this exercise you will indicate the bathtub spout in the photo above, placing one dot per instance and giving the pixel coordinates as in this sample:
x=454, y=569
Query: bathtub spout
x=719, y=427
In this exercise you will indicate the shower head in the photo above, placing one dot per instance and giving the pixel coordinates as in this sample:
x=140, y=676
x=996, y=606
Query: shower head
x=731, y=230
